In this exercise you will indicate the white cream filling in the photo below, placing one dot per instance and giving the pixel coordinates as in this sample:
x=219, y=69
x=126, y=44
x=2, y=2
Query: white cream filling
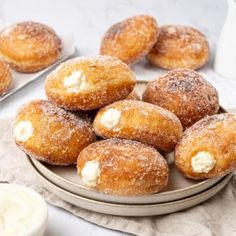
x=76, y=82
x=110, y=118
x=203, y=162
x=23, y=130
x=90, y=173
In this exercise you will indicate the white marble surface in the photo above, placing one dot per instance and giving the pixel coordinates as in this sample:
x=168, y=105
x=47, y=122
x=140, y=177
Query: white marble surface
x=87, y=20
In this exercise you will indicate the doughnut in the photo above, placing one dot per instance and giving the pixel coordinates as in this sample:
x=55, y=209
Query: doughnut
x=51, y=134
x=133, y=96
x=87, y=83
x=123, y=167
x=5, y=77
x=130, y=39
x=207, y=149
x=185, y=93
x=179, y=47
x=29, y=46
x=141, y=121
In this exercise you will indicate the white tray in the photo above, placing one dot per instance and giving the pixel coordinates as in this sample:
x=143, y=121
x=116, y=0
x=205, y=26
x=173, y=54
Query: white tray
x=129, y=209
x=19, y=80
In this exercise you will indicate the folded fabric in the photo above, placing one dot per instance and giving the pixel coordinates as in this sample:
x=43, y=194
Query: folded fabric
x=214, y=217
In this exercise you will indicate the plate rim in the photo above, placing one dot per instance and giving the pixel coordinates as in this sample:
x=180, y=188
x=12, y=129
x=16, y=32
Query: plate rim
x=32, y=160
x=205, y=195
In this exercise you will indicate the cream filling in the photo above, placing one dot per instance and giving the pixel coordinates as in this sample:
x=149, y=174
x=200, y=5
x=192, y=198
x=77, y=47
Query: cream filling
x=23, y=130
x=76, y=82
x=110, y=118
x=203, y=162
x=90, y=173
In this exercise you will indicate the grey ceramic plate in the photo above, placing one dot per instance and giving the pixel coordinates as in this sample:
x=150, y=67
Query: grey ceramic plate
x=130, y=209
x=178, y=187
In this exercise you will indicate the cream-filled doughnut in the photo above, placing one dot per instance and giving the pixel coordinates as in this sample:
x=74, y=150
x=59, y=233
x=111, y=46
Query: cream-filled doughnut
x=207, y=149
x=123, y=167
x=87, y=83
x=51, y=134
x=139, y=121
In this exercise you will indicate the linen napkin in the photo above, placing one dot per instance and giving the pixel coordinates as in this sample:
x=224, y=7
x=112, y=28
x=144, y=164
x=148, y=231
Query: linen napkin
x=214, y=217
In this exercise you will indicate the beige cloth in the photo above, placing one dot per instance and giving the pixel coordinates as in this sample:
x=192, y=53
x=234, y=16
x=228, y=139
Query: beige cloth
x=215, y=217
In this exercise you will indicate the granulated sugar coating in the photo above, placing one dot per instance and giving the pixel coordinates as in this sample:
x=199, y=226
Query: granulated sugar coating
x=29, y=46
x=130, y=39
x=179, y=47
x=215, y=135
x=107, y=80
x=185, y=93
x=143, y=122
x=58, y=135
x=126, y=167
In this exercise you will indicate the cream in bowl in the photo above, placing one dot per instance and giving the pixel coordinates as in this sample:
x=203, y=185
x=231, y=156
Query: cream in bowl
x=23, y=212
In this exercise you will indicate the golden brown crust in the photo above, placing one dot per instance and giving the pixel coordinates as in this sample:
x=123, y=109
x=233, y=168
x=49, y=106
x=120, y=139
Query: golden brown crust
x=5, y=77
x=130, y=39
x=109, y=80
x=29, y=46
x=185, y=93
x=126, y=167
x=214, y=134
x=143, y=122
x=179, y=47
x=58, y=135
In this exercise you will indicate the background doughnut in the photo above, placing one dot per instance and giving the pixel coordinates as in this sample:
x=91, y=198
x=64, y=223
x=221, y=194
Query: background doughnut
x=179, y=47
x=29, y=46
x=130, y=39
x=5, y=77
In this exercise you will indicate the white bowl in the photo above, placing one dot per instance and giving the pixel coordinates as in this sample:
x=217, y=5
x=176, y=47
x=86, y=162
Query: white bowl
x=22, y=211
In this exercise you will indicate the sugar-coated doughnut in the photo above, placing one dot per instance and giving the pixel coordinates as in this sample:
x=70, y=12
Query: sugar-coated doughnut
x=29, y=46
x=130, y=39
x=51, y=134
x=179, y=47
x=185, y=93
x=139, y=121
x=123, y=167
x=207, y=149
x=87, y=83
x=5, y=77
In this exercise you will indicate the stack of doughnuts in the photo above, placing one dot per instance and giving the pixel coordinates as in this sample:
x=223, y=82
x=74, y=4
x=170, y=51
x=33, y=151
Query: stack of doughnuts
x=27, y=47
x=63, y=129
x=95, y=119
